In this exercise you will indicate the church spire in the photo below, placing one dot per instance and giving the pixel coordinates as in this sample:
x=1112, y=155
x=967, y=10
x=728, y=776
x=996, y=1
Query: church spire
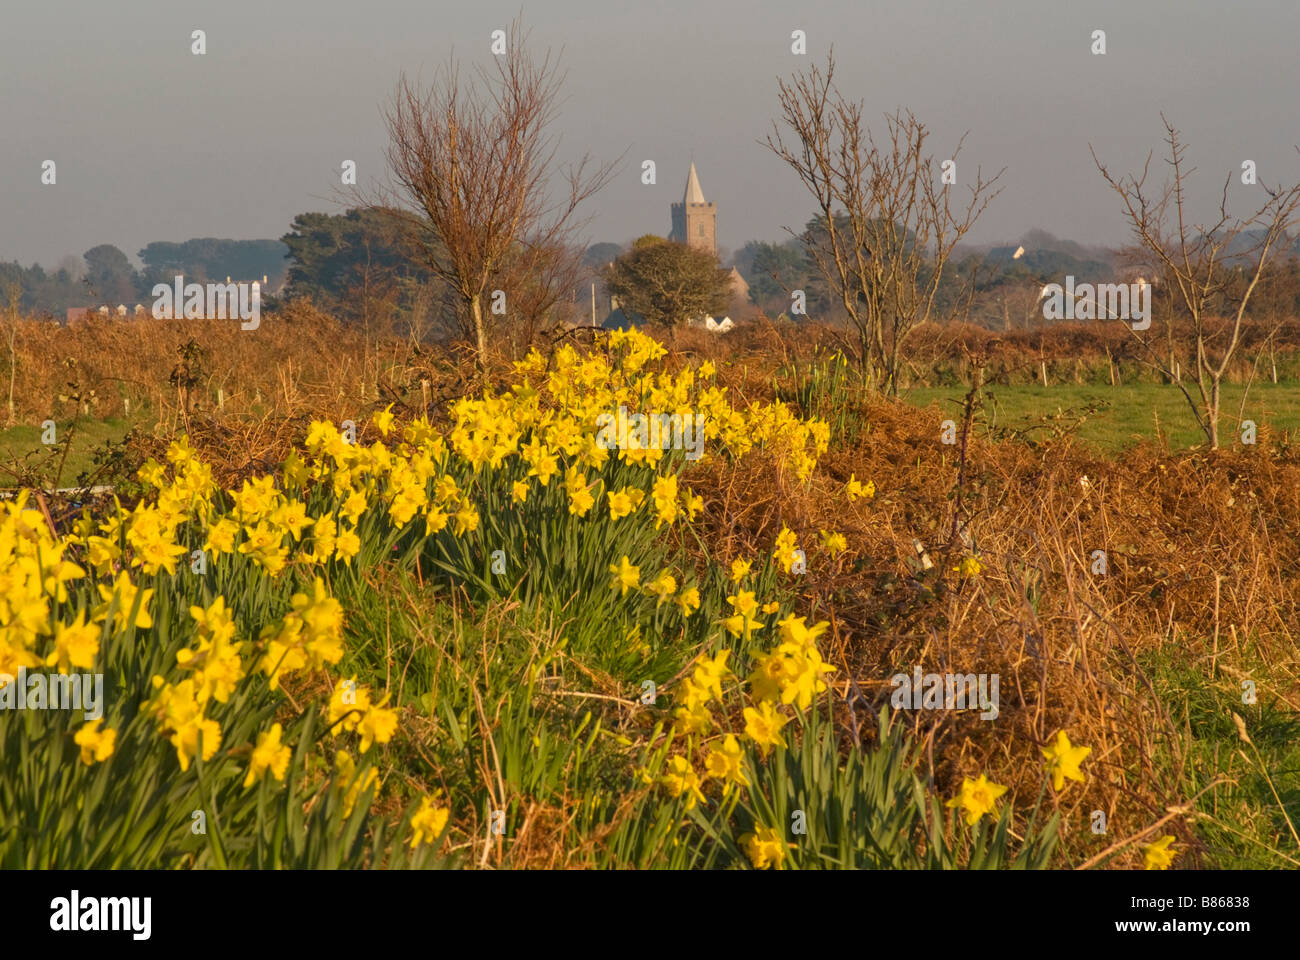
x=693, y=192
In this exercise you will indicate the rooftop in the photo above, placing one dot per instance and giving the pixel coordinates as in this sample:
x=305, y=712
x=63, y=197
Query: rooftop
x=693, y=192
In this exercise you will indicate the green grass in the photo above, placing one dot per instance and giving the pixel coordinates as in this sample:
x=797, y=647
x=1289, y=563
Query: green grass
x=25, y=459
x=1246, y=822
x=1124, y=415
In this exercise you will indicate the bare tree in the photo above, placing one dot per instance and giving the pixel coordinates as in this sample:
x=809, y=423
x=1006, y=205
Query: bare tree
x=472, y=167
x=886, y=226
x=14, y=292
x=1209, y=276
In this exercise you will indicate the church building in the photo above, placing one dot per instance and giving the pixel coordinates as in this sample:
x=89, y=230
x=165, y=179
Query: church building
x=695, y=221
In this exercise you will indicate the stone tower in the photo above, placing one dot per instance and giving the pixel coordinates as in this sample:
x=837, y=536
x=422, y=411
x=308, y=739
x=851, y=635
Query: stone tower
x=695, y=222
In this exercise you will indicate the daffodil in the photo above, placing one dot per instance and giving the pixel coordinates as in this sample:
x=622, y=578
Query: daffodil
x=763, y=725
x=221, y=537
x=1064, y=760
x=693, y=715
x=428, y=822
x=76, y=644
x=348, y=783
x=694, y=503
x=348, y=704
x=680, y=779
x=545, y=468
x=383, y=420
x=269, y=754
x=292, y=515
x=725, y=763
x=347, y=546
x=743, y=603
x=126, y=595
x=620, y=504
x=353, y=505
x=377, y=726
x=710, y=672
x=834, y=543
x=1159, y=855
x=664, y=495
x=215, y=660
x=794, y=631
x=625, y=574
x=764, y=847
x=579, y=491
x=466, y=518
x=663, y=587
x=188, y=737
x=857, y=490
x=977, y=797
x=96, y=745
x=435, y=519
x=283, y=653
x=786, y=550
x=324, y=532
x=805, y=669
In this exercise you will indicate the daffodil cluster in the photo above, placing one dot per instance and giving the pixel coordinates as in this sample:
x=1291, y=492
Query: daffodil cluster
x=788, y=675
x=34, y=572
x=339, y=502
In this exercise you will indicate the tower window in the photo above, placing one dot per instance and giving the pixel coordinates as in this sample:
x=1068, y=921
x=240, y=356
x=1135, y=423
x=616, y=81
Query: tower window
x=701, y=229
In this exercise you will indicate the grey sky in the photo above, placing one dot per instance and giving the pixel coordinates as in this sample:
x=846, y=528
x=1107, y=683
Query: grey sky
x=153, y=143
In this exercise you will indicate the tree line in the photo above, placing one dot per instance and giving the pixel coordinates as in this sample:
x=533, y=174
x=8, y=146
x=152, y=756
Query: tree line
x=106, y=275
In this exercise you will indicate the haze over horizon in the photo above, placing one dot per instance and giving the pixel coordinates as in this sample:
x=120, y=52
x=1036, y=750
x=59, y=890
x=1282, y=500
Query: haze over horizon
x=234, y=143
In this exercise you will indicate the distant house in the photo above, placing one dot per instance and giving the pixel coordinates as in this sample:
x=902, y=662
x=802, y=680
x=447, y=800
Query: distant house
x=619, y=319
x=121, y=311
x=739, y=288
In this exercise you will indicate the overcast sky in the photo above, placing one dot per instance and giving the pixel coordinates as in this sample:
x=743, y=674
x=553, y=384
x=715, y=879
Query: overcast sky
x=154, y=143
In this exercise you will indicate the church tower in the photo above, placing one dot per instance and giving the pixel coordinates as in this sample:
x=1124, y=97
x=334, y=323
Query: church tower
x=695, y=223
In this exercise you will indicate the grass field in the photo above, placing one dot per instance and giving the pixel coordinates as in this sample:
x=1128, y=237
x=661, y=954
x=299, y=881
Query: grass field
x=1121, y=416
x=24, y=459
